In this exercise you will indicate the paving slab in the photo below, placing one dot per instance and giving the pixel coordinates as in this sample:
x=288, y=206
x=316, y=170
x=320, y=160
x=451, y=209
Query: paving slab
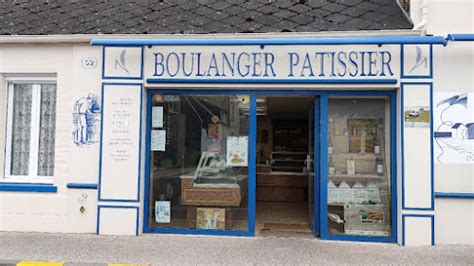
x=159, y=249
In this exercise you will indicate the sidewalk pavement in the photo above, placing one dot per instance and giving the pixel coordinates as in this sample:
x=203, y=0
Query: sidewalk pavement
x=81, y=249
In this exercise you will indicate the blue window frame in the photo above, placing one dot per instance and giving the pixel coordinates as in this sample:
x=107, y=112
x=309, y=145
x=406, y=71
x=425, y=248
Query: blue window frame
x=320, y=146
x=251, y=166
x=324, y=173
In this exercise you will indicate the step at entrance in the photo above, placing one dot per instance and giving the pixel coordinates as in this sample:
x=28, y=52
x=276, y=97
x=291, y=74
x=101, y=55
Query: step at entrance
x=286, y=227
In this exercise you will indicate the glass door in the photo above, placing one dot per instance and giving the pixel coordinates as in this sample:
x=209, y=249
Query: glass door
x=312, y=167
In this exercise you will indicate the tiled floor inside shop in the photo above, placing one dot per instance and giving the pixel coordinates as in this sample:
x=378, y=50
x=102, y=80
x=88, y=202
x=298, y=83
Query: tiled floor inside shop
x=282, y=218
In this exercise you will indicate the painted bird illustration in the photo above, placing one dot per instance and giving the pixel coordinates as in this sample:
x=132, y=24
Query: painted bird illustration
x=420, y=59
x=120, y=62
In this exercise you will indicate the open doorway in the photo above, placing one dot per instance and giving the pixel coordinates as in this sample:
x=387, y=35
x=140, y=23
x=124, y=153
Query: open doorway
x=285, y=172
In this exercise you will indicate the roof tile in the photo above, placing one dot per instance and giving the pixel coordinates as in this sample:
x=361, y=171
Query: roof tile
x=22, y=17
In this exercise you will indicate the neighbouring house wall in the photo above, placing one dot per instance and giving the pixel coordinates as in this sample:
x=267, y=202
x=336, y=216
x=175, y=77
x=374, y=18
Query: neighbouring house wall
x=454, y=158
x=445, y=16
x=54, y=212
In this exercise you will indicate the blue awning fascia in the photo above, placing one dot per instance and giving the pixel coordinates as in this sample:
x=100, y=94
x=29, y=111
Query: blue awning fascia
x=292, y=41
x=277, y=81
x=461, y=37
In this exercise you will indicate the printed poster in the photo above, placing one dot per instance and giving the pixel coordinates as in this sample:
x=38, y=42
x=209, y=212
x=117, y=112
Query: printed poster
x=417, y=116
x=158, y=140
x=453, y=127
x=237, y=151
x=163, y=211
x=210, y=218
x=157, y=117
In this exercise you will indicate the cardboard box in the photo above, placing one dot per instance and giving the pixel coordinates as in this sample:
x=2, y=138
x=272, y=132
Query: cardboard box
x=364, y=163
x=365, y=219
x=340, y=144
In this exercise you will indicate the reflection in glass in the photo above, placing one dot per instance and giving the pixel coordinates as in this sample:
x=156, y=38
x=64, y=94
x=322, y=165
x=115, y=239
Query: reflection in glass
x=358, y=186
x=199, y=166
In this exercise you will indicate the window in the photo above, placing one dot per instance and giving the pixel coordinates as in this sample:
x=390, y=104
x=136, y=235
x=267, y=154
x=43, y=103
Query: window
x=31, y=123
x=359, y=169
x=199, y=162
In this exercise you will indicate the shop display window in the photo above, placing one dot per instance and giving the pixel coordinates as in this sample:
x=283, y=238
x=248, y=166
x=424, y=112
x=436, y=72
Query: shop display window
x=199, y=162
x=358, y=170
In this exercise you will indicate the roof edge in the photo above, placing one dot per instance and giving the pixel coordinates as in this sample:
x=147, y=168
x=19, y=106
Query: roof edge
x=379, y=40
x=87, y=38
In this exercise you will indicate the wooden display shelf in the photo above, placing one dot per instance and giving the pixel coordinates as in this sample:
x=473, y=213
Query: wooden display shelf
x=288, y=161
x=282, y=179
x=371, y=154
x=290, y=152
x=198, y=195
x=357, y=177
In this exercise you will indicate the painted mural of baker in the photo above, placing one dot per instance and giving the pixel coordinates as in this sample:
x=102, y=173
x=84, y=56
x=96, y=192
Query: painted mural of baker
x=86, y=117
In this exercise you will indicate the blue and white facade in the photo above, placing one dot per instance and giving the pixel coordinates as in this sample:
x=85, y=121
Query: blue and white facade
x=104, y=88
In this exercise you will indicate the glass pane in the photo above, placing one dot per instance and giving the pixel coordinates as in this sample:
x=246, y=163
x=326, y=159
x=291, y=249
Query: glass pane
x=47, y=130
x=199, y=162
x=358, y=186
x=21, y=126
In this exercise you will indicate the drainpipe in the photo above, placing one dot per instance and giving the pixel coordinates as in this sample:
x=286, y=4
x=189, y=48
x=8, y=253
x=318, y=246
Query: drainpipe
x=423, y=9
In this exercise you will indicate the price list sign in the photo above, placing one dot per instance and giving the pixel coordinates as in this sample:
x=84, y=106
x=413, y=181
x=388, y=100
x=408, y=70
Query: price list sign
x=120, y=142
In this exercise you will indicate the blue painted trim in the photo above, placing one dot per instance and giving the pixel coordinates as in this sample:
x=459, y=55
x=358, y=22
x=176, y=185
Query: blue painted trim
x=274, y=81
x=378, y=239
x=460, y=37
x=280, y=41
x=316, y=163
x=252, y=182
x=117, y=207
x=28, y=187
x=402, y=65
x=122, y=78
x=252, y=166
x=323, y=155
x=454, y=195
x=101, y=142
x=393, y=166
x=431, y=216
x=402, y=137
x=367, y=92
x=188, y=231
x=323, y=191
x=81, y=186
x=432, y=147
x=146, y=210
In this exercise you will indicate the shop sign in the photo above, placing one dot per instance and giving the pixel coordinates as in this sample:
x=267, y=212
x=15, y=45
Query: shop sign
x=272, y=62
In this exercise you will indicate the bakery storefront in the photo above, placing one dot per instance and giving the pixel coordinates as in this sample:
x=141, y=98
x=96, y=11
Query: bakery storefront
x=262, y=136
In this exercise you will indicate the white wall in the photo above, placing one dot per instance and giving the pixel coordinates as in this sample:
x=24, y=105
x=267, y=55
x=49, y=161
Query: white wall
x=445, y=16
x=54, y=212
x=454, y=218
x=450, y=16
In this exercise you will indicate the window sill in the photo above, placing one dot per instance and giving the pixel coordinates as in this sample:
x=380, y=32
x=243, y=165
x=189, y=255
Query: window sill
x=28, y=187
x=81, y=186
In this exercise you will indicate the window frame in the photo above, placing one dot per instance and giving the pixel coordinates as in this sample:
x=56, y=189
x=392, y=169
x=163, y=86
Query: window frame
x=36, y=83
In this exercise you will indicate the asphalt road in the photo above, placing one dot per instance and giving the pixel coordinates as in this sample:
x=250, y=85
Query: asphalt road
x=210, y=250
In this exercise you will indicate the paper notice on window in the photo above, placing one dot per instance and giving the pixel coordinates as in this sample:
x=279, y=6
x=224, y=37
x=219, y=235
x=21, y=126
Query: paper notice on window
x=237, y=151
x=157, y=116
x=158, y=140
x=163, y=211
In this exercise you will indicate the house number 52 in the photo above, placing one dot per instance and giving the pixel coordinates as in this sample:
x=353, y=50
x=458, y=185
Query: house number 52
x=89, y=62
